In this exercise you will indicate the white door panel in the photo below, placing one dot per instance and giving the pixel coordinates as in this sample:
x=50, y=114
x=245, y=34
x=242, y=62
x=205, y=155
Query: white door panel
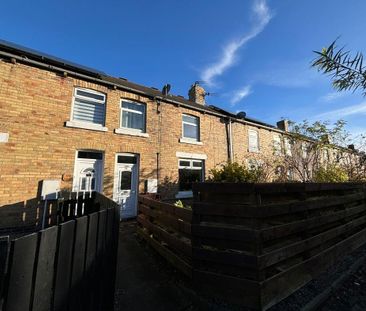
x=88, y=174
x=125, y=188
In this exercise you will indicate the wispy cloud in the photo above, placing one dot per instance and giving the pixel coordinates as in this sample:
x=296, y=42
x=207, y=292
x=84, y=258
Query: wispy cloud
x=262, y=16
x=331, y=97
x=344, y=112
x=238, y=95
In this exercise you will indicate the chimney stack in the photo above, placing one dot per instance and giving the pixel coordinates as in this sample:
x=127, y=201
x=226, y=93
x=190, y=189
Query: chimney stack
x=283, y=125
x=197, y=94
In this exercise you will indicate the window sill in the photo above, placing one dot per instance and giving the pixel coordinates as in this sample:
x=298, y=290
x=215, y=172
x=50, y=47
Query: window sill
x=124, y=131
x=254, y=151
x=184, y=195
x=190, y=141
x=86, y=126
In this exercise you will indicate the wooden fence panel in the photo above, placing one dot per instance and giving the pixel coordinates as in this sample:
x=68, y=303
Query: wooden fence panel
x=77, y=276
x=90, y=262
x=43, y=288
x=100, y=255
x=64, y=265
x=68, y=266
x=285, y=233
x=4, y=253
x=22, y=258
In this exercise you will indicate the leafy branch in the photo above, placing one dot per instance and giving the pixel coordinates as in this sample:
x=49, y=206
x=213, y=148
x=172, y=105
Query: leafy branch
x=347, y=71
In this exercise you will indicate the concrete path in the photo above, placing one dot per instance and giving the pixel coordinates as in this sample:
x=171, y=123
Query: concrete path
x=146, y=282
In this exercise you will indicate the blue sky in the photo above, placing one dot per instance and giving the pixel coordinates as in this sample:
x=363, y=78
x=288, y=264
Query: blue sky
x=253, y=55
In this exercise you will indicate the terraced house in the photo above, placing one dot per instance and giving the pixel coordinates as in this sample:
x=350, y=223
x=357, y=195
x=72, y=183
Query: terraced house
x=77, y=128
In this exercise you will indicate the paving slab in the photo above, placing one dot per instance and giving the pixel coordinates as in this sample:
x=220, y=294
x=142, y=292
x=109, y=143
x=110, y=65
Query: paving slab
x=145, y=281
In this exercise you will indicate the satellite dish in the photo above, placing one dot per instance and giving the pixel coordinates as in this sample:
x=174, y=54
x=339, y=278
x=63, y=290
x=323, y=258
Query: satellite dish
x=241, y=114
x=166, y=89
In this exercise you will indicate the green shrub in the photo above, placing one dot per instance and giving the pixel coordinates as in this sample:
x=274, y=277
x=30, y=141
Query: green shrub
x=235, y=172
x=332, y=173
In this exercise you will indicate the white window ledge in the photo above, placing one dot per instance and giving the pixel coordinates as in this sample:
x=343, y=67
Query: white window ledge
x=130, y=132
x=87, y=126
x=189, y=141
x=184, y=195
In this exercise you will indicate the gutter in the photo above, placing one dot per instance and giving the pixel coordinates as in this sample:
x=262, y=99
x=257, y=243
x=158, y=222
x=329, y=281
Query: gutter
x=126, y=88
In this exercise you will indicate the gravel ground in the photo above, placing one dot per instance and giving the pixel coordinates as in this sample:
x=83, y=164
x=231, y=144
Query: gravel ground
x=351, y=295
x=304, y=295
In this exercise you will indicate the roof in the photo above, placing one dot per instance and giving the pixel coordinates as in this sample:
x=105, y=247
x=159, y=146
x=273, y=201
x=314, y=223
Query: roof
x=27, y=54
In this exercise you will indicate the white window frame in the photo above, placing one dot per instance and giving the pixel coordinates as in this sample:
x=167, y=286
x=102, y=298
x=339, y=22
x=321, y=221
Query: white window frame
x=250, y=148
x=190, y=139
x=288, y=146
x=84, y=124
x=189, y=193
x=277, y=144
x=128, y=130
x=304, y=149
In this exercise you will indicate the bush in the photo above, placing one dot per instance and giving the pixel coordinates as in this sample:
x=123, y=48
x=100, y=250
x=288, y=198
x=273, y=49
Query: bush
x=235, y=172
x=332, y=173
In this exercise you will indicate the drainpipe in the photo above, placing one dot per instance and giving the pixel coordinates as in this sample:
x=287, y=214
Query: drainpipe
x=230, y=141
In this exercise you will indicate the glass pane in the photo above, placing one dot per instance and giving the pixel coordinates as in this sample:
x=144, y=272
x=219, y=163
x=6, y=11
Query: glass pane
x=134, y=106
x=197, y=164
x=90, y=95
x=92, y=184
x=190, y=119
x=83, y=183
x=127, y=159
x=90, y=155
x=133, y=120
x=126, y=180
x=187, y=177
x=88, y=111
x=190, y=131
x=184, y=163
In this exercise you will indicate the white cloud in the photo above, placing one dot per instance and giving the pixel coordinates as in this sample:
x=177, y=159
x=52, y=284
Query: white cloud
x=240, y=94
x=262, y=15
x=331, y=97
x=344, y=112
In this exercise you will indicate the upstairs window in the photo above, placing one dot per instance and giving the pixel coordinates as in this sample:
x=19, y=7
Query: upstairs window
x=305, y=149
x=89, y=107
x=253, y=141
x=277, y=146
x=133, y=116
x=191, y=127
x=190, y=171
x=288, y=147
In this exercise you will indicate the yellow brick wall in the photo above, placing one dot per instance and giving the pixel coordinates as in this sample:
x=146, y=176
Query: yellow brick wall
x=34, y=106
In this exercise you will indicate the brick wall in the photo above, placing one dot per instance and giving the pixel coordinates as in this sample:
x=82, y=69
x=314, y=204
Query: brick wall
x=34, y=106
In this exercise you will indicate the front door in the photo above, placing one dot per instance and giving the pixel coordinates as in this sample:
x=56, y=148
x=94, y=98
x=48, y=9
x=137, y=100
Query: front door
x=88, y=171
x=126, y=184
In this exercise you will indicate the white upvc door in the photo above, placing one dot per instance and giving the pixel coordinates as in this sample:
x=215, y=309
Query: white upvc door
x=126, y=188
x=87, y=175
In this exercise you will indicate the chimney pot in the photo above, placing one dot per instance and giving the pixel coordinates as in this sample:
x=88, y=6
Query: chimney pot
x=197, y=94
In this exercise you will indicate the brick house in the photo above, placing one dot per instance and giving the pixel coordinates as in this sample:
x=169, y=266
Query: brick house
x=86, y=131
